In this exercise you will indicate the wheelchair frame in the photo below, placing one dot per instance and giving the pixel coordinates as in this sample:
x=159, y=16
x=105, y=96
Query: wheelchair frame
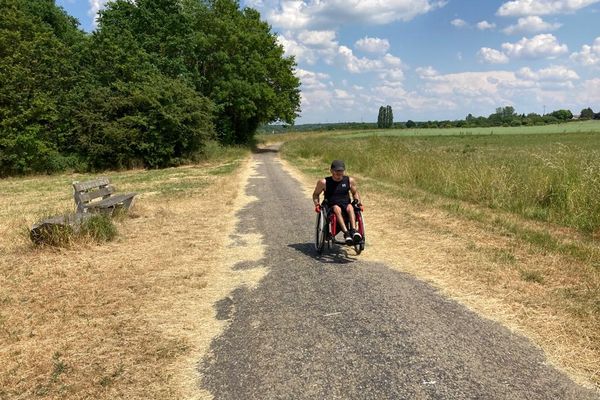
x=326, y=229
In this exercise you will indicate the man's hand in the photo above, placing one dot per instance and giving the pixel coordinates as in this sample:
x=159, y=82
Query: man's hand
x=318, y=208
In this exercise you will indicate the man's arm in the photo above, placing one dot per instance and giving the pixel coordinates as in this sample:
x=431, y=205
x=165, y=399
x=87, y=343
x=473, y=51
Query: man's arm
x=354, y=190
x=318, y=190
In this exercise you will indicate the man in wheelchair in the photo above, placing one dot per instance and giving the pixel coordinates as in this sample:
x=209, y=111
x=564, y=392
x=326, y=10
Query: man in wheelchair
x=337, y=188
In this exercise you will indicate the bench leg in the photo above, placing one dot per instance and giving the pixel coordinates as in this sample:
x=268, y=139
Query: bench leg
x=128, y=203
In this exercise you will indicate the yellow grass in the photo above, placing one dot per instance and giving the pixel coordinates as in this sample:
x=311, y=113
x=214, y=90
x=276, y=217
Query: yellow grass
x=126, y=319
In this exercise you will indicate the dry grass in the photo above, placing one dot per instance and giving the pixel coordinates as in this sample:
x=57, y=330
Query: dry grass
x=130, y=318
x=539, y=293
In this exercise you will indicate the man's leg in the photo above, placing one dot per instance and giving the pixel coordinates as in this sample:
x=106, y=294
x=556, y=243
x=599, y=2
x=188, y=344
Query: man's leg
x=351, y=216
x=356, y=236
x=338, y=213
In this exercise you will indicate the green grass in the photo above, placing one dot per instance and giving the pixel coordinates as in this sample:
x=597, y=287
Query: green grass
x=570, y=127
x=547, y=177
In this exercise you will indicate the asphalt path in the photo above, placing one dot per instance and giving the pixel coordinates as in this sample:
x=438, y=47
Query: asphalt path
x=335, y=327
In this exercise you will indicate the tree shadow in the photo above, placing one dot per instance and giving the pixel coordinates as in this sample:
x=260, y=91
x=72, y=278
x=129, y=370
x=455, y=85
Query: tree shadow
x=334, y=255
x=260, y=150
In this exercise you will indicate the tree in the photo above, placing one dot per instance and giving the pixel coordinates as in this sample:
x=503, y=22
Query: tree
x=389, y=120
x=586, y=113
x=562, y=115
x=38, y=70
x=154, y=122
x=381, y=117
x=138, y=106
x=147, y=88
x=244, y=70
x=410, y=124
x=385, y=119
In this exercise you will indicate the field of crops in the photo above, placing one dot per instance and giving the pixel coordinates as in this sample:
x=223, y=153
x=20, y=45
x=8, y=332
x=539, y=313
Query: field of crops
x=552, y=177
x=589, y=126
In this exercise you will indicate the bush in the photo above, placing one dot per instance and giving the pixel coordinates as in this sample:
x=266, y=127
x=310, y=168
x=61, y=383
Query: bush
x=99, y=228
x=68, y=229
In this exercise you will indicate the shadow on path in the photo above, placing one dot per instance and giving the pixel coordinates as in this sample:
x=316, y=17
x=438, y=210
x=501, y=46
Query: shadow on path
x=335, y=255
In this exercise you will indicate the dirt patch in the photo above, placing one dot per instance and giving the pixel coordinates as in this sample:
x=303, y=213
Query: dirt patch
x=493, y=273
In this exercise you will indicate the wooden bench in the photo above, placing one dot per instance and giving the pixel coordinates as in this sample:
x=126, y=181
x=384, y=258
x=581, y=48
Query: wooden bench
x=99, y=195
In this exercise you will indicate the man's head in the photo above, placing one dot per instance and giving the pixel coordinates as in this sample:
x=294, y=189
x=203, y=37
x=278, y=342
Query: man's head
x=337, y=169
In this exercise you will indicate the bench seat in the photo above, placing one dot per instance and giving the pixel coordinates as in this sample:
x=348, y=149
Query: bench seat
x=99, y=195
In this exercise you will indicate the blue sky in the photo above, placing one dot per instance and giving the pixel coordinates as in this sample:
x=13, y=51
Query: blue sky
x=431, y=59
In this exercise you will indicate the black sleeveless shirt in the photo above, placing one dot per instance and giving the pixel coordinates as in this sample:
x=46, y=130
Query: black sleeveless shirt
x=337, y=192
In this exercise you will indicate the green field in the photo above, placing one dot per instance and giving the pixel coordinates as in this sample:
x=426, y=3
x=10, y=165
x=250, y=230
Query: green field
x=570, y=127
x=553, y=177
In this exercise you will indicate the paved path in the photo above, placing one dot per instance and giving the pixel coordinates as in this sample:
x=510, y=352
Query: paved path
x=339, y=328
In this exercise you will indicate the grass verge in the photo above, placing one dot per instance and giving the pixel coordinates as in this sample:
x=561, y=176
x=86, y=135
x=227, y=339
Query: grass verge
x=128, y=318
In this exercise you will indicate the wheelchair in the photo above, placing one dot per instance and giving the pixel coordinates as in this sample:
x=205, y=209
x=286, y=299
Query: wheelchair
x=327, y=228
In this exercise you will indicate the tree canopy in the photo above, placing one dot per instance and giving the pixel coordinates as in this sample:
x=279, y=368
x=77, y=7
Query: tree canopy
x=149, y=87
x=385, y=119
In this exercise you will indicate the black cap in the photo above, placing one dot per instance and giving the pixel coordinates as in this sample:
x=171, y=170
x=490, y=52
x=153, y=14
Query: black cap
x=338, y=165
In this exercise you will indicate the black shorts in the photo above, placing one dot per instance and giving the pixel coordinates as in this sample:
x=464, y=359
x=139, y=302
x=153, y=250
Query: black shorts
x=343, y=205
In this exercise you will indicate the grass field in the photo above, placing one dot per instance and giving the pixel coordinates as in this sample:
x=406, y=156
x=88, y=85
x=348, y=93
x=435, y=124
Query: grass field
x=570, y=127
x=547, y=177
x=129, y=318
x=514, y=219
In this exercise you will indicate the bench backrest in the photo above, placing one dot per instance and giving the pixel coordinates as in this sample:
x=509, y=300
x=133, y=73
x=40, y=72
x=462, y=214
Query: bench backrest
x=84, y=192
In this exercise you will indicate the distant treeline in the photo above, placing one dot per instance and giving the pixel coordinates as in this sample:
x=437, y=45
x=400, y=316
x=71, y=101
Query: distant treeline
x=155, y=82
x=504, y=116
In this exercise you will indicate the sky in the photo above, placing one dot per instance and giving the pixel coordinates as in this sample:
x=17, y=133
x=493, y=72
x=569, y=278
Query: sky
x=431, y=59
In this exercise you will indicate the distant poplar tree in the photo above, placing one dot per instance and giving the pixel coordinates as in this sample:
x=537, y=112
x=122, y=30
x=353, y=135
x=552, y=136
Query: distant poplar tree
x=389, y=114
x=380, y=117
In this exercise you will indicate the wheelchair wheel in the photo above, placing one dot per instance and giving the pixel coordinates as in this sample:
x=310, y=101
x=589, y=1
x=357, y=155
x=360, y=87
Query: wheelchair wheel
x=320, y=232
x=360, y=221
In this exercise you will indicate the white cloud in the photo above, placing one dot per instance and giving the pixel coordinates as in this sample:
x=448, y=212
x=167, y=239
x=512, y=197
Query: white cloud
x=519, y=8
x=310, y=47
x=355, y=64
x=539, y=46
x=589, y=94
x=297, y=14
x=392, y=76
x=589, y=55
x=550, y=74
x=483, y=25
x=531, y=24
x=317, y=38
x=458, y=23
x=311, y=80
x=391, y=60
x=372, y=45
x=473, y=85
x=492, y=56
x=427, y=72
x=95, y=6
x=291, y=15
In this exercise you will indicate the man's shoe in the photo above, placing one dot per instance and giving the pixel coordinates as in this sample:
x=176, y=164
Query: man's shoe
x=348, y=238
x=357, y=237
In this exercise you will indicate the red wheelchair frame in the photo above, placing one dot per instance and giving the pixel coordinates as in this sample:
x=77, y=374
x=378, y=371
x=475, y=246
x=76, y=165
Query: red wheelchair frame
x=327, y=228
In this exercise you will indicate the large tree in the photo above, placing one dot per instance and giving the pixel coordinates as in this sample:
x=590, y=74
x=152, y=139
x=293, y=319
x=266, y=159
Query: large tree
x=37, y=71
x=137, y=106
x=228, y=55
x=586, y=113
x=244, y=70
